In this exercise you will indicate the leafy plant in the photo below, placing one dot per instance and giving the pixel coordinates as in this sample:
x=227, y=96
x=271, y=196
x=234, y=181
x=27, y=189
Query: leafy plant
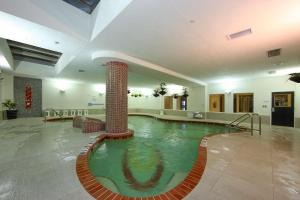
x=156, y=94
x=163, y=89
x=185, y=92
x=136, y=95
x=9, y=104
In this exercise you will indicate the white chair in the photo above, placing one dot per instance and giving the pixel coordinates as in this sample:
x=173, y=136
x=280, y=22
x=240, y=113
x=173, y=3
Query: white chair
x=66, y=113
x=47, y=113
x=86, y=112
x=73, y=112
x=79, y=112
x=57, y=113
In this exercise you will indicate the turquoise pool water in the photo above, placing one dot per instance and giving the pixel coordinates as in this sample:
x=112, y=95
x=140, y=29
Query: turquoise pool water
x=156, y=159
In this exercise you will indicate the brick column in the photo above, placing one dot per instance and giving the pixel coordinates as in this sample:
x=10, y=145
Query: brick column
x=116, y=97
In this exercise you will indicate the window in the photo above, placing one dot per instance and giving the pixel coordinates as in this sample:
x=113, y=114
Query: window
x=216, y=103
x=282, y=100
x=243, y=102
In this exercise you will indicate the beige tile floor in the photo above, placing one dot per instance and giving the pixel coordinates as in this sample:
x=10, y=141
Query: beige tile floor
x=37, y=162
x=241, y=166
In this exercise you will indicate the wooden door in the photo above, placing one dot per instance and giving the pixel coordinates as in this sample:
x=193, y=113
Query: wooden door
x=178, y=103
x=216, y=103
x=243, y=102
x=168, y=102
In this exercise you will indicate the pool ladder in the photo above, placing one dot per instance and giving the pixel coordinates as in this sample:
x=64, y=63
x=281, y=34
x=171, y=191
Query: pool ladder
x=243, y=118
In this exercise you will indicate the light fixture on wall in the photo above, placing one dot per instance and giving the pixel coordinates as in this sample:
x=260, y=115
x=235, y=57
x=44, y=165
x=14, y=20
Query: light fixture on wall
x=174, y=89
x=100, y=89
x=62, y=85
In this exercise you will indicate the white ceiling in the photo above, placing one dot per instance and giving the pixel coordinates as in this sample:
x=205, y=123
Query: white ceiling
x=186, y=37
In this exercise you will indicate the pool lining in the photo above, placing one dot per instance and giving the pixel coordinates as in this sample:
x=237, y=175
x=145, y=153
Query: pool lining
x=100, y=192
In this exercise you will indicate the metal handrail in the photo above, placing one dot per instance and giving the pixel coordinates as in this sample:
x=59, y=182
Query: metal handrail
x=246, y=116
x=259, y=123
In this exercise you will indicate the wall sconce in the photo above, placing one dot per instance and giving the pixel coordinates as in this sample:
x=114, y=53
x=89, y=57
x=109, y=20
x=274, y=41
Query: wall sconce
x=62, y=85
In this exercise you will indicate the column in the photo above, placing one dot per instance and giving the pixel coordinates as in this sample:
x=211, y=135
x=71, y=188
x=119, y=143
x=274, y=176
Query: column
x=116, y=97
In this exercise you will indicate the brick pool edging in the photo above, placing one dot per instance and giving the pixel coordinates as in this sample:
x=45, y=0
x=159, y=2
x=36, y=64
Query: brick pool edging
x=99, y=192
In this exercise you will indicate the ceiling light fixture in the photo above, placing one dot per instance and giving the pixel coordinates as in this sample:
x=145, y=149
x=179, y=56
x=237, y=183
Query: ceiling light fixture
x=239, y=34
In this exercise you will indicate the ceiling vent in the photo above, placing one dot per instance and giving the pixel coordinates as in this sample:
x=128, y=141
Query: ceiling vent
x=274, y=52
x=240, y=34
x=85, y=5
x=29, y=53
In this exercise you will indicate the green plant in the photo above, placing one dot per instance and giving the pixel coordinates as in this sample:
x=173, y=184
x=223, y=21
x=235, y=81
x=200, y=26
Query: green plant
x=185, y=92
x=156, y=93
x=9, y=104
x=136, y=95
x=163, y=89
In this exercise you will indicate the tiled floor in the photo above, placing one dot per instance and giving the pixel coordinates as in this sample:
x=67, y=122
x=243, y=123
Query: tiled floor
x=240, y=166
x=37, y=161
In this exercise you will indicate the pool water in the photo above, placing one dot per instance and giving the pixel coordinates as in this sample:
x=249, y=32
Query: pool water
x=156, y=159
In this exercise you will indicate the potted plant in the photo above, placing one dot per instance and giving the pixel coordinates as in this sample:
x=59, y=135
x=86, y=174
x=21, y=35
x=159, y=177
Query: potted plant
x=11, y=112
x=156, y=94
x=163, y=89
x=185, y=93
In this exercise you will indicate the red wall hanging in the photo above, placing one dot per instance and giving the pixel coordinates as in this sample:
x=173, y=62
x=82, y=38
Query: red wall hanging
x=28, y=97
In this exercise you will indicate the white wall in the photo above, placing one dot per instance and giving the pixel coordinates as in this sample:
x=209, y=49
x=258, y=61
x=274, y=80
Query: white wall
x=149, y=102
x=7, y=90
x=5, y=55
x=76, y=95
x=196, y=99
x=262, y=89
x=105, y=12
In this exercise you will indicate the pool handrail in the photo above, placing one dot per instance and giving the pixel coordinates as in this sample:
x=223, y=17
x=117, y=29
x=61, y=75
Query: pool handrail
x=243, y=118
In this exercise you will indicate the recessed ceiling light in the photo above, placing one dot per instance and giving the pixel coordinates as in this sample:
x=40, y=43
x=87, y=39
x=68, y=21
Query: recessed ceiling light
x=239, y=34
x=56, y=42
x=81, y=70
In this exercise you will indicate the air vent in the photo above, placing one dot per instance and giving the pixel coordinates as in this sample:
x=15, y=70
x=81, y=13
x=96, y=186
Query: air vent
x=239, y=34
x=29, y=53
x=274, y=52
x=85, y=5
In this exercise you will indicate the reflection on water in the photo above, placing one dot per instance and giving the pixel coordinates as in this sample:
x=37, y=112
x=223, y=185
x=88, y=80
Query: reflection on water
x=159, y=151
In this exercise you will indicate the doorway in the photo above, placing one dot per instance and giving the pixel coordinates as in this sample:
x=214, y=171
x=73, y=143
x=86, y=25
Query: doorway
x=168, y=102
x=283, y=109
x=243, y=103
x=216, y=103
